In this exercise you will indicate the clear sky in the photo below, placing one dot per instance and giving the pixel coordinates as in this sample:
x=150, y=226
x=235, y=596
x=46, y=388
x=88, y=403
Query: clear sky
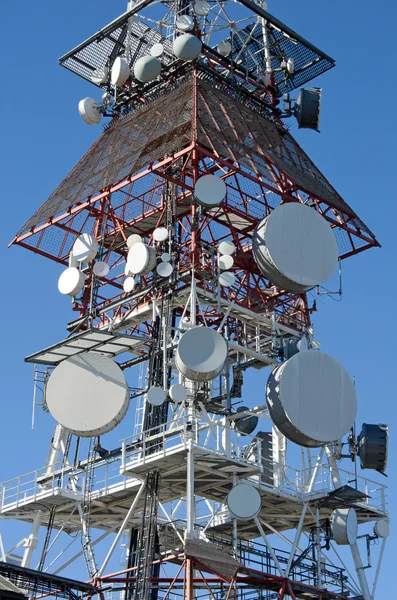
x=43, y=137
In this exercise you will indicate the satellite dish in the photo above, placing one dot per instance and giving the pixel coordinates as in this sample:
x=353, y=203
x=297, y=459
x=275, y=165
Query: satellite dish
x=201, y=8
x=71, y=281
x=156, y=396
x=224, y=48
x=373, y=442
x=225, y=262
x=184, y=23
x=133, y=239
x=165, y=257
x=141, y=259
x=101, y=269
x=382, y=528
x=90, y=111
x=311, y=399
x=244, y=501
x=295, y=247
x=227, y=279
x=85, y=248
x=164, y=269
x=127, y=272
x=210, y=191
x=187, y=47
x=120, y=71
x=147, y=68
x=160, y=234
x=128, y=285
x=88, y=394
x=157, y=50
x=227, y=247
x=245, y=425
x=201, y=354
x=344, y=526
x=307, y=108
x=99, y=76
x=178, y=392
x=295, y=345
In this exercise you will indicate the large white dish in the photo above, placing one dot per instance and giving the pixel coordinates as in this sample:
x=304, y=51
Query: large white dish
x=224, y=48
x=88, y=394
x=226, y=262
x=210, y=191
x=164, y=269
x=311, y=399
x=71, y=281
x=160, y=234
x=133, y=239
x=147, y=68
x=85, y=248
x=244, y=501
x=201, y=354
x=227, y=279
x=184, y=23
x=344, y=526
x=156, y=396
x=295, y=247
x=157, y=50
x=178, y=392
x=187, y=47
x=129, y=284
x=141, y=259
x=120, y=71
x=227, y=247
x=100, y=75
x=201, y=8
x=101, y=268
x=89, y=111
x=382, y=528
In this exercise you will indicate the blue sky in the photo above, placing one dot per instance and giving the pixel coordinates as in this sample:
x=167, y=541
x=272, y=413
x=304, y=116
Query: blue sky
x=43, y=137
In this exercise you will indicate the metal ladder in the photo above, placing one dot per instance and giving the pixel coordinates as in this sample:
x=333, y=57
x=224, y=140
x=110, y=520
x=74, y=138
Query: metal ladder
x=88, y=552
x=147, y=537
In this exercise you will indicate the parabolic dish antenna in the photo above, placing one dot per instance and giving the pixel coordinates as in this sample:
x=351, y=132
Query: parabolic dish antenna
x=133, y=239
x=166, y=257
x=141, y=259
x=226, y=262
x=100, y=75
x=88, y=394
x=311, y=399
x=227, y=279
x=184, y=23
x=187, y=47
x=71, y=281
x=227, y=247
x=344, y=526
x=128, y=285
x=244, y=501
x=295, y=247
x=201, y=354
x=201, y=8
x=210, y=191
x=373, y=442
x=160, y=234
x=89, y=111
x=156, y=396
x=295, y=345
x=157, y=50
x=101, y=268
x=85, y=248
x=224, y=48
x=178, y=392
x=245, y=425
x=164, y=269
x=147, y=68
x=382, y=528
x=120, y=71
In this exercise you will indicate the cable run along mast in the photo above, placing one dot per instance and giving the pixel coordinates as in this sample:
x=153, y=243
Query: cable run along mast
x=188, y=238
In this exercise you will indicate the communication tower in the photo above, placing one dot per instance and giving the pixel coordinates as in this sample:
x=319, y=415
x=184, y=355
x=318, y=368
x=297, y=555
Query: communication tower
x=188, y=236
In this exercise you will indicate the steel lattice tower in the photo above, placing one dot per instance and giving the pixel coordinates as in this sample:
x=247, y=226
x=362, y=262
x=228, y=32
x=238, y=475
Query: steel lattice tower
x=164, y=488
